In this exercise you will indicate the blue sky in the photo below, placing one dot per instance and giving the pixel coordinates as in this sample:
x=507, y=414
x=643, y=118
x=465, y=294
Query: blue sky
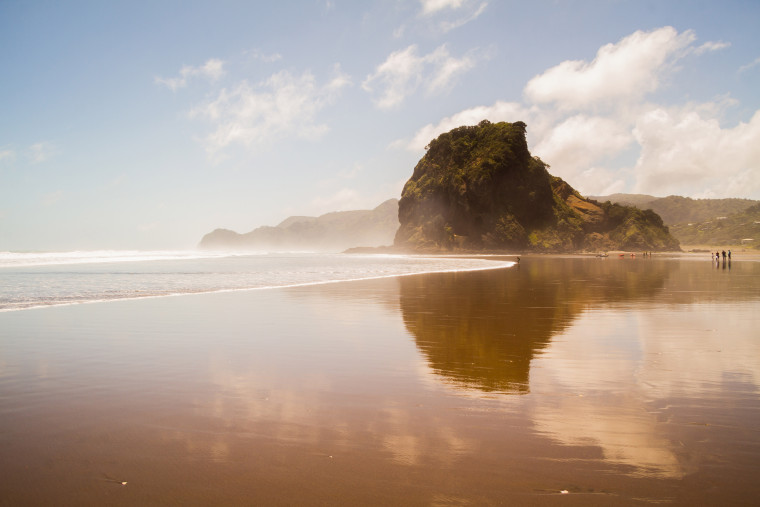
x=144, y=125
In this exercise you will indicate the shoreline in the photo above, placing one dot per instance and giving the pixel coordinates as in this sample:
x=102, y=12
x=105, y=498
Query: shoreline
x=505, y=264
x=511, y=260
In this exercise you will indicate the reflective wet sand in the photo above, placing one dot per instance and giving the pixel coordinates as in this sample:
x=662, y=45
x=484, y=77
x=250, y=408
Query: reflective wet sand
x=572, y=381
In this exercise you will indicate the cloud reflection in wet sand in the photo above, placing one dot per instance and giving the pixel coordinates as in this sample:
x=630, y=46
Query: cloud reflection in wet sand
x=602, y=348
x=290, y=395
x=590, y=394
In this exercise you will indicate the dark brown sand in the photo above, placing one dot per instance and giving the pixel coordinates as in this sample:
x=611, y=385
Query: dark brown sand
x=567, y=381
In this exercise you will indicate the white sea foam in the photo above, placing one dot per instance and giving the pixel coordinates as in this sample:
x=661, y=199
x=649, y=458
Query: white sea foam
x=19, y=259
x=32, y=280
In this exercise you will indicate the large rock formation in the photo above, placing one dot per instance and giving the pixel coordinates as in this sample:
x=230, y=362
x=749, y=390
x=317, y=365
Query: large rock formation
x=332, y=232
x=479, y=189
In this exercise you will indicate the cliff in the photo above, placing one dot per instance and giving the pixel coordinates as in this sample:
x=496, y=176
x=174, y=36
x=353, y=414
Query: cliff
x=332, y=232
x=479, y=189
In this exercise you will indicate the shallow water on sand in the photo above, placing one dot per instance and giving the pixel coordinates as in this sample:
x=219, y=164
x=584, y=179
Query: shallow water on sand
x=33, y=280
x=573, y=380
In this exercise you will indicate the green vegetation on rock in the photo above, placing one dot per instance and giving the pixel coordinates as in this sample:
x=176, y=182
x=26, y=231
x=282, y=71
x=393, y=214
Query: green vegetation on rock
x=479, y=189
x=675, y=209
x=738, y=228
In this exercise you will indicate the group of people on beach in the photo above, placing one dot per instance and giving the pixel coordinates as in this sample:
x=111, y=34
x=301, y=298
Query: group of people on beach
x=718, y=254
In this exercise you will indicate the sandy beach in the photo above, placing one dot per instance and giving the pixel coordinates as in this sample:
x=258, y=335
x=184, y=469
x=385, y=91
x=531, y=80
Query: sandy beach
x=564, y=380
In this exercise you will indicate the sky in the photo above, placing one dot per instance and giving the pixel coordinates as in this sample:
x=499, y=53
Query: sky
x=144, y=125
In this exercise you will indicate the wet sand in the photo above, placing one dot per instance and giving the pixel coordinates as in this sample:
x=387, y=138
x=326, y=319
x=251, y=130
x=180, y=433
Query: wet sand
x=568, y=381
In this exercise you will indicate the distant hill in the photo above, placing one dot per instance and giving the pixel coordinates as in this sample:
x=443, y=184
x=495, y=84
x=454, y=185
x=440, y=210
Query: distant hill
x=479, y=189
x=681, y=210
x=641, y=201
x=332, y=232
x=735, y=229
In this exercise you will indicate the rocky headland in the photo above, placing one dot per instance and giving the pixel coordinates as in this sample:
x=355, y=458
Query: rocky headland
x=478, y=189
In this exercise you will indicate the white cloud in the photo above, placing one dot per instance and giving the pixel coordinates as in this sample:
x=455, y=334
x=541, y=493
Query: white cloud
x=404, y=71
x=683, y=152
x=750, y=65
x=337, y=83
x=579, y=141
x=40, y=152
x=500, y=111
x=625, y=71
x=7, y=155
x=36, y=153
x=213, y=69
x=712, y=46
x=596, y=181
x=283, y=105
x=400, y=75
x=438, y=8
x=433, y=6
x=456, y=23
x=257, y=54
x=447, y=68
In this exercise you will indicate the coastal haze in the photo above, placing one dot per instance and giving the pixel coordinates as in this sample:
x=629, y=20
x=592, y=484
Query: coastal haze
x=331, y=232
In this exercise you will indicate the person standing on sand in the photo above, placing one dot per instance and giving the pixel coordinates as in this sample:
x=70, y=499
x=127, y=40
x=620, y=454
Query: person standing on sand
x=724, y=256
x=729, y=255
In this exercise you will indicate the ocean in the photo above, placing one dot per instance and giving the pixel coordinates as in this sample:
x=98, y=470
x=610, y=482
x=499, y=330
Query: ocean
x=30, y=280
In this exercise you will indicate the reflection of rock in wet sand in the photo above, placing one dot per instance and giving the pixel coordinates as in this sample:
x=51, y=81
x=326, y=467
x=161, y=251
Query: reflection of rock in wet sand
x=482, y=329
